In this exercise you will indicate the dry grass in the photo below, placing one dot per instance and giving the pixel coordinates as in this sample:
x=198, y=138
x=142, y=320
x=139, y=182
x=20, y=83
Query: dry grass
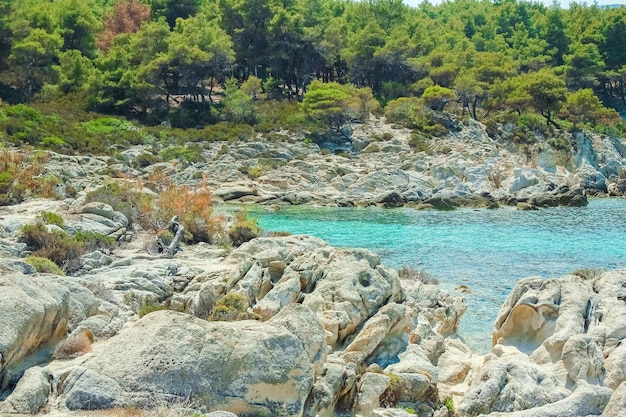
x=75, y=345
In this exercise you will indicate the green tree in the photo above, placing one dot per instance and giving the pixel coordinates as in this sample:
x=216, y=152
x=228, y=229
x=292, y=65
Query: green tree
x=174, y=9
x=78, y=26
x=436, y=97
x=547, y=92
x=247, y=22
x=332, y=105
x=73, y=72
x=32, y=58
x=237, y=105
x=583, y=106
x=613, y=39
x=583, y=66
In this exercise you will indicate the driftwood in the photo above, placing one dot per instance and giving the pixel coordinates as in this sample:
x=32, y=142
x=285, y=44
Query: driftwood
x=179, y=231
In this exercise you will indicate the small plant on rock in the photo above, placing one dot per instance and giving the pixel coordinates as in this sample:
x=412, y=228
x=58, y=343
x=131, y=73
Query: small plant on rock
x=44, y=265
x=78, y=343
x=244, y=229
x=231, y=307
x=409, y=273
x=449, y=404
x=149, y=306
x=92, y=241
x=52, y=218
x=588, y=273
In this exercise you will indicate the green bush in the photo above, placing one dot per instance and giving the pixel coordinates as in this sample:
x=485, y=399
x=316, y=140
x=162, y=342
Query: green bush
x=449, y=404
x=244, y=229
x=44, y=265
x=231, y=307
x=59, y=247
x=92, y=241
x=145, y=160
x=420, y=143
x=52, y=218
x=192, y=153
x=149, y=307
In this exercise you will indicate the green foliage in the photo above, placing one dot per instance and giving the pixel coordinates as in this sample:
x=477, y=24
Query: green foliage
x=231, y=307
x=436, y=97
x=122, y=197
x=491, y=57
x=420, y=143
x=449, y=404
x=243, y=229
x=583, y=106
x=44, y=265
x=61, y=248
x=52, y=218
x=332, y=104
x=238, y=105
x=92, y=241
x=191, y=153
x=149, y=306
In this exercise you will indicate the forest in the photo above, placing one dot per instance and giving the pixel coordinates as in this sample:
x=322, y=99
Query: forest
x=240, y=66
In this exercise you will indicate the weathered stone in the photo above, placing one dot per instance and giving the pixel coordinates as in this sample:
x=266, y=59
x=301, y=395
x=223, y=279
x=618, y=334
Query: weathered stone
x=30, y=394
x=371, y=387
x=34, y=311
x=245, y=366
x=100, y=209
x=616, y=406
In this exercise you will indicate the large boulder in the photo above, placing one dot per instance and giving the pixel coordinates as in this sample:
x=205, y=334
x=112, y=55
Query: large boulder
x=35, y=310
x=557, y=348
x=242, y=367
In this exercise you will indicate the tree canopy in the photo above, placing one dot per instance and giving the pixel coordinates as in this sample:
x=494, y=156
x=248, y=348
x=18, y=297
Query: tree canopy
x=159, y=59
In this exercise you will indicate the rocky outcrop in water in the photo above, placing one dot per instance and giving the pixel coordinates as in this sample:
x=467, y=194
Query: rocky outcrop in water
x=322, y=331
x=558, y=349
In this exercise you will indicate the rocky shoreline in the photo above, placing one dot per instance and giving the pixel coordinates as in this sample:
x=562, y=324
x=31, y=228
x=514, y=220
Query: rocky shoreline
x=297, y=327
x=325, y=331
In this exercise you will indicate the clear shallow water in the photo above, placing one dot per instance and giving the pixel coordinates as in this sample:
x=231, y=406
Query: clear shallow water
x=487, y=250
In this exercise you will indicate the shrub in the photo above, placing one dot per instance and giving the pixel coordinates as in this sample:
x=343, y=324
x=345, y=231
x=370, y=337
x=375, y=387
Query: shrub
x=52, y=218
x=44, y=265
x=420, y=143
x=191, y=153
x=393, y=393
x=92, y=241
x=19, y=175
x=59, y=247
x=231, y=307
x=145, y=160
x=122, y=197
x=449, y=404
x=149, y=307
x=244, y=229
x=194, y=210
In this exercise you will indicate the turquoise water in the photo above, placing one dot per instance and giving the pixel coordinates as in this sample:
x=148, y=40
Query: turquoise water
x=487, y=250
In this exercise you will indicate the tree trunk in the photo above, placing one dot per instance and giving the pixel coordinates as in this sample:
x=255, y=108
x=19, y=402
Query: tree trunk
x=179, y=232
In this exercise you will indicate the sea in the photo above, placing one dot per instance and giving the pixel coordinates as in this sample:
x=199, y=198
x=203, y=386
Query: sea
x=487, y=250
